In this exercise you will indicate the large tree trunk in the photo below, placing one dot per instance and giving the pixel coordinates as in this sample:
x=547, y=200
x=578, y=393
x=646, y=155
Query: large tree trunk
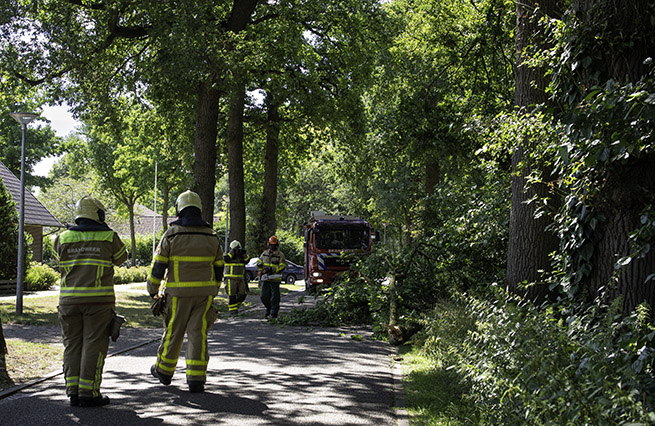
x=269, y=193
x=529, y=242
x=204, y=148
x=235, y=165
x=627, y=186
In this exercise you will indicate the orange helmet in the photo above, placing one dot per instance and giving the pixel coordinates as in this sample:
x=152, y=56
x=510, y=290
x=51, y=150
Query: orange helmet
x=273, y=240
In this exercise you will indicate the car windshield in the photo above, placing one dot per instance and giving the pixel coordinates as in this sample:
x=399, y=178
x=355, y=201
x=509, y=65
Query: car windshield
x=337, y=238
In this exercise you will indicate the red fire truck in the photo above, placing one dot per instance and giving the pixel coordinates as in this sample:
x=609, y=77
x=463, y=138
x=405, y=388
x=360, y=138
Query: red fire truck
x=329, y=239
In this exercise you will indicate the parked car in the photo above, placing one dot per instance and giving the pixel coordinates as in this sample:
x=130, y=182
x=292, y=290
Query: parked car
x=290, y=275
x=251, y=269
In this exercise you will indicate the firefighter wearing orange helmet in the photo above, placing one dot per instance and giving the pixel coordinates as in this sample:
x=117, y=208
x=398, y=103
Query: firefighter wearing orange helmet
x=271, y=263
x=187, y=270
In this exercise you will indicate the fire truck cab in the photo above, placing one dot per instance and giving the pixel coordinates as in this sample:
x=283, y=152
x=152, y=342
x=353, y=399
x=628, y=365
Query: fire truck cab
x=328, y=241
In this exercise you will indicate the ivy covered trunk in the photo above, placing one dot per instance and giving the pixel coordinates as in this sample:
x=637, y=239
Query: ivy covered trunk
x=530, y=244
x=621, y=36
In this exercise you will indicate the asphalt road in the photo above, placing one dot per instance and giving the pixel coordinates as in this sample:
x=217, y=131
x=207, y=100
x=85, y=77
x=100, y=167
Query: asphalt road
x=259, y=374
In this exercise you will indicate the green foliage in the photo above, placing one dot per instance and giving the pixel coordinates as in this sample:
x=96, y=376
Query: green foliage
x=143, y=244
x=292, y=246
x=41, y=277
x=522, y=365
x=124, y=275
x=8, y=234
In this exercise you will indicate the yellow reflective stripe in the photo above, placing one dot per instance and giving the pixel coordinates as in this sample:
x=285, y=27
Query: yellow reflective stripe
x=165, y=367
x=167, y=360
x=219, y=263
x=154, y=280
x=160, y=258
x=196, y=362
x=167, y=339
x=205, y=325
x=192, y=258
x=86, y=291
x=72, y=380
x=84, y=262
x=196, y=373
x=120, y=252
x=69, y=237
x=86, y=384
x=180, y=284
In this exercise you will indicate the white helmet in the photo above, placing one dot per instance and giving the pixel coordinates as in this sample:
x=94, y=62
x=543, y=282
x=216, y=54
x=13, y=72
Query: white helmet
x=234, y=244
x=90, y=208
x=187, y=199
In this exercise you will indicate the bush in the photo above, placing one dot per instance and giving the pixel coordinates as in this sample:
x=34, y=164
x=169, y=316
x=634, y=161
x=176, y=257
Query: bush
x=138, y=274
x=523, y=365
x=143, y=249
x=40, y=277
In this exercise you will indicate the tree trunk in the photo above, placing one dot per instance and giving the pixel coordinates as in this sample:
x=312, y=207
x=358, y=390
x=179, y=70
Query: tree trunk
x=432, y=176
x=626, y=37
x=130, y=208
x=529, y=242
x=204, y=148
x=166, y=194
x=269, y=193
x=235, y=165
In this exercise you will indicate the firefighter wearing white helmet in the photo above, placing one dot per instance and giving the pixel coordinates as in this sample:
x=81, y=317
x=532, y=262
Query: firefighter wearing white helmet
x=187, y=270
x=87, y=253
x=271, y=263
x=234, y=274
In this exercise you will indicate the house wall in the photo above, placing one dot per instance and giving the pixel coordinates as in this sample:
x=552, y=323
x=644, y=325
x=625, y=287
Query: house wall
x=37, y=244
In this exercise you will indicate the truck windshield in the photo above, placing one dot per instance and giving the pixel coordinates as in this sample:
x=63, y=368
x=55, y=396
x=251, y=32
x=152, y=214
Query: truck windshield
x=336, y=238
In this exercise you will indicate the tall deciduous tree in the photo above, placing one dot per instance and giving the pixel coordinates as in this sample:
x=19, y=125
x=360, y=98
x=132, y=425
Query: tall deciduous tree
x=122, y=156
x=530, y=243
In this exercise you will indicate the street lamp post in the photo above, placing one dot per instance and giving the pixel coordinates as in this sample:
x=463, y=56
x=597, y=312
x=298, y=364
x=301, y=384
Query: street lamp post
x=23, y=118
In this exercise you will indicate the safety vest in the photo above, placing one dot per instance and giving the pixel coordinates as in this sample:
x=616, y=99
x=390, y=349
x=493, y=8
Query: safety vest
x=86, y=262
x=189, y=255
x=275, y=260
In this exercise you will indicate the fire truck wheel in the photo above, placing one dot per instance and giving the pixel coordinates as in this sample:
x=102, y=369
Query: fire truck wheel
x=290, y=279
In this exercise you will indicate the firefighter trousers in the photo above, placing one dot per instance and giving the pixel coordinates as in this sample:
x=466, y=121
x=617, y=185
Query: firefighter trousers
x=195, y=316
x=270, y=296
x=84, y=329
x=236, y=291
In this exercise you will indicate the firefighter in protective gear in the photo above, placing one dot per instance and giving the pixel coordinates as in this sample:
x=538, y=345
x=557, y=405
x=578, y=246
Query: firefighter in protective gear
x=87, y=253
x=234, y=274
x=187, y=270
x=271, y=263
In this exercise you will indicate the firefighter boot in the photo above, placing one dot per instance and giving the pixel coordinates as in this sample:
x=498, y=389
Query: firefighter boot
x=97, y=401
x=196, y=386
x=163, y=378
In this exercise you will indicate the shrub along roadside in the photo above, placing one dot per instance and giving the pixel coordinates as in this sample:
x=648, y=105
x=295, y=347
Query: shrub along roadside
x=513, y=364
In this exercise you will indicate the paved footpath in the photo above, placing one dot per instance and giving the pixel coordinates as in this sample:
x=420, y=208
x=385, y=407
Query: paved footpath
x=259, y=374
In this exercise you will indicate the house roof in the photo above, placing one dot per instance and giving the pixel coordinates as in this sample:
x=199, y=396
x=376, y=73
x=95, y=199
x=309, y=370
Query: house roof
x=35, y=212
